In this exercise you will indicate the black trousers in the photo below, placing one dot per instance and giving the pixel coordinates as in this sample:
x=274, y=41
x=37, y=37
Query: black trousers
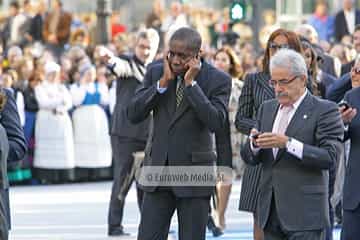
x=123, y=164
x=4, y=214
x=329, y=230
x=158, y=209
x=350, y=226
x=274, y=230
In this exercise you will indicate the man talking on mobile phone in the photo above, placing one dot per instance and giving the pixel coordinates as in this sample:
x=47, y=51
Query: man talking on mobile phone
x=188, y=98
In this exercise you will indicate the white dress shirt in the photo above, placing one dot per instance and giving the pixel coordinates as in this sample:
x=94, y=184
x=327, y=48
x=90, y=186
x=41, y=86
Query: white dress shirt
x=20, y=104
x=112, y=97
x=350, y=20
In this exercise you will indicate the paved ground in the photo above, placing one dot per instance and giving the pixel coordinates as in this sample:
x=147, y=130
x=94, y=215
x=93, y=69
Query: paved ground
x=79, y=211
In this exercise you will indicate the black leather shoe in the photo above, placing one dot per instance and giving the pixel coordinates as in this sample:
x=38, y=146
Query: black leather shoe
x=117, y=232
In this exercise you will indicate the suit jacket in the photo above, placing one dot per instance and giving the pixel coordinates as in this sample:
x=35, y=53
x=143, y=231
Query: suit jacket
x=63, y=28
x=4, y=150
x=298, y=186
x=341, y=28
x=36, y=27
x=346, y=68
x=4, y=199
x=125, y=91
x=223, y=144
x=10, y=119
x=256, y=90
x=326, y=81
x=351, y=194
x=183, y=137
x=328, y=65
x=337, y=90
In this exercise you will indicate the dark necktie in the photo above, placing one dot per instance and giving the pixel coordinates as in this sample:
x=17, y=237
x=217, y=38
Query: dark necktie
x=179, y=91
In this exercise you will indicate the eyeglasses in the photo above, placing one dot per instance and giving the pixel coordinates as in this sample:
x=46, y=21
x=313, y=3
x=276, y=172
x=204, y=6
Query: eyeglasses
x=356, y=70
x=281, y=82
x=275, y=46
x=182, y=56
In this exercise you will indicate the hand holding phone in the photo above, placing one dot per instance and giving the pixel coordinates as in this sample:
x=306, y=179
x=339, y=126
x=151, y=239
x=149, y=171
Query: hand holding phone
x=193, y=66
x=254, y=134
x=168, y=74
x=344, y=104
x=347, y=112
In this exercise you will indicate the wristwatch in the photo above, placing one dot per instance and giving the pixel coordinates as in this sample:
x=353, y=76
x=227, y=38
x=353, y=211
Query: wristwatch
x=193, y=83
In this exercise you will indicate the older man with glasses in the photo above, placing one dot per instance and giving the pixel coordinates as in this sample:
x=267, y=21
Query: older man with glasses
x=296, y=138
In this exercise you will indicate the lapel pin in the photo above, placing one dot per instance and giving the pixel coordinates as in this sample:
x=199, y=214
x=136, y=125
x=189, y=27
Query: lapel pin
x=305, y=116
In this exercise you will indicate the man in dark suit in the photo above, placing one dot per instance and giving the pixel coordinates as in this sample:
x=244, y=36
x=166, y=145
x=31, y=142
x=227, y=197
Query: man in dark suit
x=37, y=22
x=348, y=81
x=127, y=138
x=337, y=90
x=299, y=136
x=10, y=120
x=351, y=195
x=189, y=99
x=346, y=19
x=4, y=149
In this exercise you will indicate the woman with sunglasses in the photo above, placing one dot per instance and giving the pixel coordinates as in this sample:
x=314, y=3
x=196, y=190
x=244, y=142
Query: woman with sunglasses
x=257, y=90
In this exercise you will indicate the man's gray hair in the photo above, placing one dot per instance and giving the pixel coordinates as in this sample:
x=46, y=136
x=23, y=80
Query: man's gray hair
x=291, y=60
x=154, y=39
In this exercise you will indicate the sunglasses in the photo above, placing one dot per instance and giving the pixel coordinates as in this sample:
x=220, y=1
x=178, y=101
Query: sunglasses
x=356, y=70
x=275, y=46
x=182, y=56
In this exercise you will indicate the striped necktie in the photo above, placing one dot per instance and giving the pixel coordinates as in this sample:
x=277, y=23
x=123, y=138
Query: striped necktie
x=179, y=91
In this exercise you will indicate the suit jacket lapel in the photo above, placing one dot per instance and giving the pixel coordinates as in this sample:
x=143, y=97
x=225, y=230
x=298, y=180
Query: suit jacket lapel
x=180, y=111
x=272, y=113
x=269, y=124
x=303, y=113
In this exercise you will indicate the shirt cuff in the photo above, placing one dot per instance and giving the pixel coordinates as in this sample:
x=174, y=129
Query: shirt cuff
x=255, y=150
x=160, y=90
x=193, y=83
x=295, y=148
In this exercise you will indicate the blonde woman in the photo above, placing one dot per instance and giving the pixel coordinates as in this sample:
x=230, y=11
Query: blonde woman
x=226, y=60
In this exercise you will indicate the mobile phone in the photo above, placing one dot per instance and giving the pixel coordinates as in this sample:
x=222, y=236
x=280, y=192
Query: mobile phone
x=255, y=136
x=344, y=104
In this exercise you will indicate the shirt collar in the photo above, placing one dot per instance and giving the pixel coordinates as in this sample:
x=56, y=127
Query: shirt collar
x=300, y=100
x=349, y=11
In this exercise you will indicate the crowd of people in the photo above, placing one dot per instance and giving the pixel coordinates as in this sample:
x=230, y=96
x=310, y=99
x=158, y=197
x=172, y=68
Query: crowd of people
x=78, y=103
